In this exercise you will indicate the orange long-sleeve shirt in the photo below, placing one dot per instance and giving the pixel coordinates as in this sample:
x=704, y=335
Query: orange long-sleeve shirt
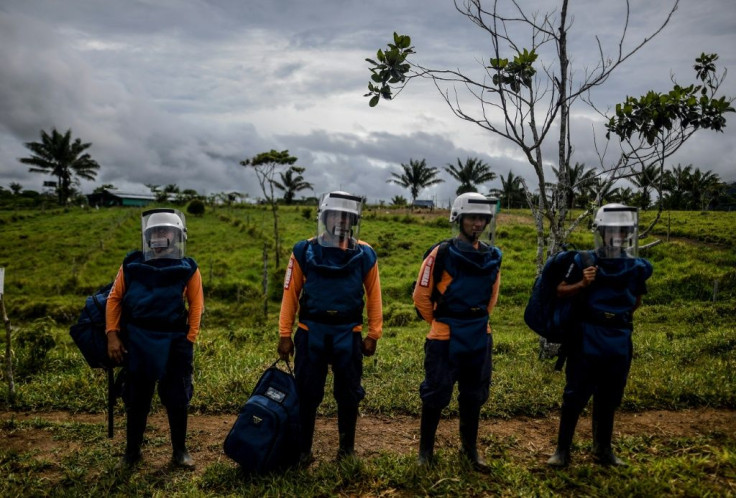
x=422, y=296
x=192, y=292
x=294, y=282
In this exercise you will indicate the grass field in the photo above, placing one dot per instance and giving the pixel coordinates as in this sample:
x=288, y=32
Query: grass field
x=685, y=352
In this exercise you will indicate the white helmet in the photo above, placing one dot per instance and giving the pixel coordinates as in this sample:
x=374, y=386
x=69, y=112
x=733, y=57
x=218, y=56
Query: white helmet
x=475, y=203
x=472, y=203
x=616, y=231
x=164, y=234
x=338, y=219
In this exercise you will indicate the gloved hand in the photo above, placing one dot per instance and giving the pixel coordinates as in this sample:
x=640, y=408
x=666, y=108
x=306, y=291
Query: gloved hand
x=368, y=347
x=286, y=348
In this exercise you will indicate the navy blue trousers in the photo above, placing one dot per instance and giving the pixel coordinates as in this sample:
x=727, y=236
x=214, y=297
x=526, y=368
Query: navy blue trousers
x=471, y=371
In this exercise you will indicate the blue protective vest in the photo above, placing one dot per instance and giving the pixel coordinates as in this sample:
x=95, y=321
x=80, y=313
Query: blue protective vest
x=331, y=302
x=333, y=289
x=608, y=305
x=153, y=309
x=464, y=304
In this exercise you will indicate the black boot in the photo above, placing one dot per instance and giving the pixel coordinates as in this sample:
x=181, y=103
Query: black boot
x=469, y=418
x=135, y=425
x=307, y=419
x=347, y=418
x=427, y=431
x=568, y=420
x=178, y=427
x=602, y=434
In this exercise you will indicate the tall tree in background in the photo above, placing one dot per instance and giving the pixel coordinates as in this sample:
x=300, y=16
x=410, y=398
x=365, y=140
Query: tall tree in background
x=578, y=179
x=266, y=165
x=704, y=187
x=59, y=156
x=471, y=175
x=292, y=182
x=675, y=184
x=532, y=108
x=647, y=179
x=511, y=192
x=415, y=176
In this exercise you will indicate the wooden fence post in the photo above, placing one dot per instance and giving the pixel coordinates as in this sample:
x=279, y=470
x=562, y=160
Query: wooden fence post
x=8, y=336
x=265, y=281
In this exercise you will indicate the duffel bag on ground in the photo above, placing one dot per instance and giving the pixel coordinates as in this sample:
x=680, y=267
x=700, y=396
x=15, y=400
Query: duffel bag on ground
x=266, y=434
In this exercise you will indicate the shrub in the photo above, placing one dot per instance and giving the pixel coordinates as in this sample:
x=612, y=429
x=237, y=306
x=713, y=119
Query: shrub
x=196, y=207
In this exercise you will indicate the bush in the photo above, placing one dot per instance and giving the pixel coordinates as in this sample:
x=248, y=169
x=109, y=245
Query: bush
x=196, y=207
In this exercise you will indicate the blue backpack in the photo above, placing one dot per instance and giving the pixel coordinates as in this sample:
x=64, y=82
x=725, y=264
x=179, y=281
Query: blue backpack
x=266, y=435
x=545, y=313
x=89, y=336
x=89, y=331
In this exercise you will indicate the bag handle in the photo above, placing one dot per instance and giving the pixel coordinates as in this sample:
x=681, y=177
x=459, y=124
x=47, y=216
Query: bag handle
x=288, y=365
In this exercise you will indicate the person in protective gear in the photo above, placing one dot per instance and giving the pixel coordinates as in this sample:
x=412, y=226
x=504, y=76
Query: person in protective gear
x=457, y=305
x=326, y=281
x=600, y=352
x=146, y=302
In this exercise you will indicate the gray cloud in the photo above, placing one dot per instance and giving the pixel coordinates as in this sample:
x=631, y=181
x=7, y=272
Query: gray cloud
x=181, y=92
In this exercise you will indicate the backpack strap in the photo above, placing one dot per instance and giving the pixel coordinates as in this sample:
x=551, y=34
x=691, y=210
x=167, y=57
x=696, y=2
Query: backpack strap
x=587, y=258
x=439, y=268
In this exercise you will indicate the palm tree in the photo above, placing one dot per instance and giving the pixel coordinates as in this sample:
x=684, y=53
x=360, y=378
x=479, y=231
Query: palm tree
x=578, y=180
x=676, y=182
x=471, y=174
x=415, y=176
x=598, y=188
x=704, y=186
x=291, y=184
x=646, y=179
x=511, y=191
x=58, y=156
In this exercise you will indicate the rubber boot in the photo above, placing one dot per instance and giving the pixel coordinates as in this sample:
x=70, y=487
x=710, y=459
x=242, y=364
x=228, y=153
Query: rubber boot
x=347, y=419
x=135, y=425
x=427, y=431
x=307, y=419
x=602, y=434
x=178, y=427
x=568, y=420
x=469, y=418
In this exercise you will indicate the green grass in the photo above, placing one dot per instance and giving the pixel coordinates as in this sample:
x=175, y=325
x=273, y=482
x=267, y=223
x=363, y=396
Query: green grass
x=685, y=354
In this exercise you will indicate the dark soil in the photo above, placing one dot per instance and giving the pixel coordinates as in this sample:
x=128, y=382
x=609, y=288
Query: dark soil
x=531, y=440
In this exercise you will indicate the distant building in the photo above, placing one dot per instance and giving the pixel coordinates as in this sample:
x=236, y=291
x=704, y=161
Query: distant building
x=106, y=198
x=428, y=204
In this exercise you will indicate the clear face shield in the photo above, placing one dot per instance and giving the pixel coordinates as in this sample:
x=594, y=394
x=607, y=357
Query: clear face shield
x=164, y=234
x=617, y=242
x=475, y=227
x=338, y=222
x=616, y=232
x=338, y=229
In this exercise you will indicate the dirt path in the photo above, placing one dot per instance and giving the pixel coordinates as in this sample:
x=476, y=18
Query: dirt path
x=532, y=439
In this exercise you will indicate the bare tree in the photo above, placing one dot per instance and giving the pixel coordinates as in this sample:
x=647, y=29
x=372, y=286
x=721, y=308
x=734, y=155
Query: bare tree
x=523, y=104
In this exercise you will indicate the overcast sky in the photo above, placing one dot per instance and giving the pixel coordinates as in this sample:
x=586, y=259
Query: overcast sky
x=180, y=91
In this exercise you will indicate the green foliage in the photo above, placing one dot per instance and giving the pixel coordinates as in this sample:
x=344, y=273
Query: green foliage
x=34, y=343
x=415, y=176
x=398, y=201
x=655, y=113
x=516, y=73
x=57, y=155
x=391, y=68
x=678, y=327
x=196, y=207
